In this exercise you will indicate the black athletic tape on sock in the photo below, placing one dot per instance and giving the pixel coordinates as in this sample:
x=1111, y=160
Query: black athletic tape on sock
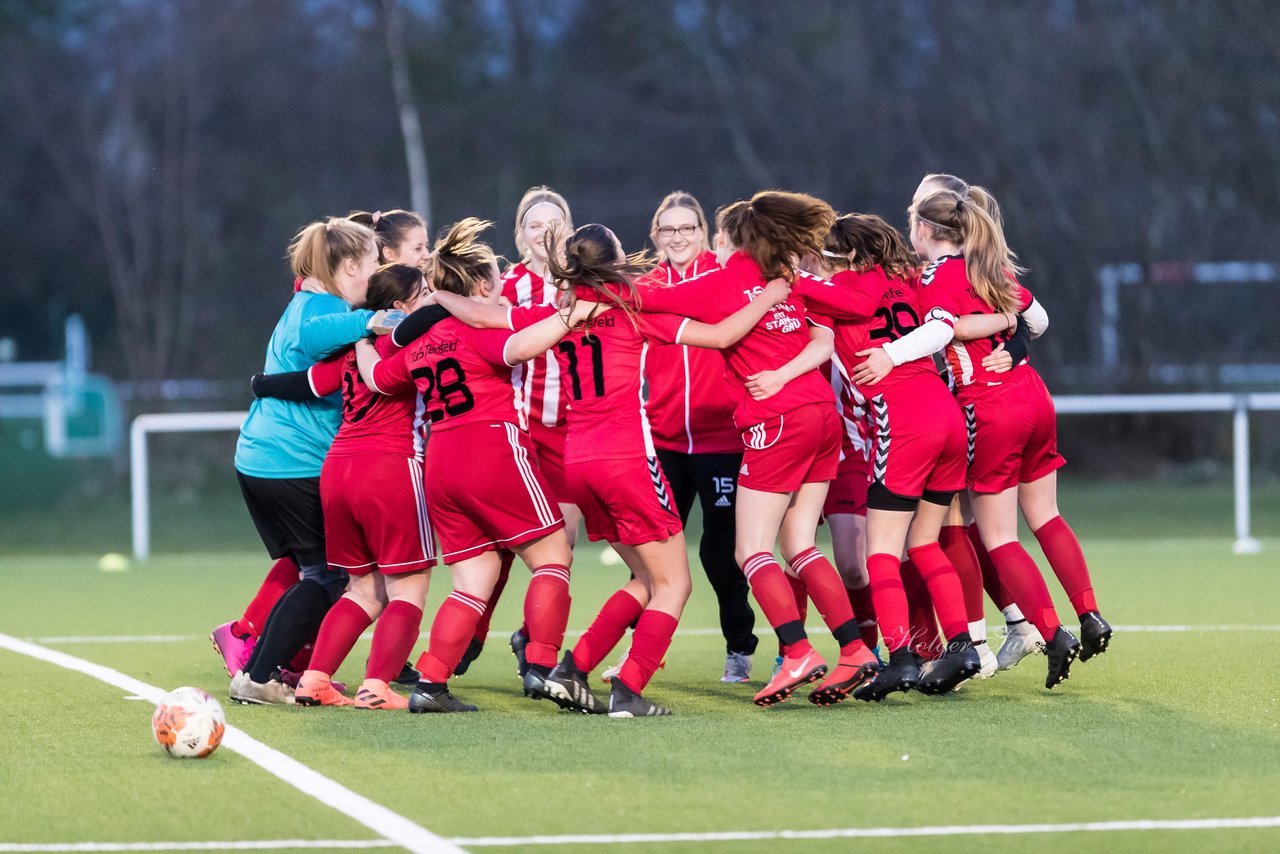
x=792, y=632
x=847, y=632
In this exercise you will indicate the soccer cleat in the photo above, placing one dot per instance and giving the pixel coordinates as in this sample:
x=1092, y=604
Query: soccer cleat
x=237, y=682
x=566, y=686
x=990, y=664
x=900, y=674
x=1095, y=635
x=318, y=690
x=376, y=694
x=1020, y=640
x=293, y=677
x=625, y=703
x=955, y=667
x=271, y=693
x=518, y=642
x=408, y=676
x=737, y=667
x=535, y=682
x=470, y=654
x=850, y=672
x=795, y=671
x=435, y=697
x=234, y=649
x=1060, y=651
x=607, y=675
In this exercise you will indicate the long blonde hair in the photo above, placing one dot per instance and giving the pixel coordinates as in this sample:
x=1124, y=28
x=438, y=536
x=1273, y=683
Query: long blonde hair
x=989, y=263
x=460, y=258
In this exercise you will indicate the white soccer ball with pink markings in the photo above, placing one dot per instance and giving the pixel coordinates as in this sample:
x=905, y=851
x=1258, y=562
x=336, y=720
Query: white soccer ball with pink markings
x=189, y=723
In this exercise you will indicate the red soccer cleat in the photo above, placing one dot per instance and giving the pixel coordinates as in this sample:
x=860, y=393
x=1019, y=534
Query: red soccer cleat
x=850, y=672
x=793, y=673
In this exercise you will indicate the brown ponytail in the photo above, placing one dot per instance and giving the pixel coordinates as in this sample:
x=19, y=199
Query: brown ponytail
x=871, y=242
x=777, y=228
x=988, y=261
x=460, y=259
x=589, y=257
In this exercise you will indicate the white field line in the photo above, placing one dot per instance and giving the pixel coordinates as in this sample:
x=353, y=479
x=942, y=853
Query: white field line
x=726, y=836
x=691, y=633
x=374, y=816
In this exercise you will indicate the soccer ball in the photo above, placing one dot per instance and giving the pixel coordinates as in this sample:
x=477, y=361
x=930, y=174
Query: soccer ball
x=189, y=723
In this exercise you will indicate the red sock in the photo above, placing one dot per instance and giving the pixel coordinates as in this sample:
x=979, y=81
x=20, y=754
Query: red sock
x=649, y=643
x=924, y=639
x=775, y=597
x=801, y=594
x=1020, y=575
x=890, y=598
x=1062, y=550
x=546, y=613
x=393, y=639
x=944, y=588
x=954, y=540
x=827, y=592
x=504, y=573
x=620, y=611
x=338, y=634
x=451, y=631
x=282, y=575
x=864, y=609
x=991, y=582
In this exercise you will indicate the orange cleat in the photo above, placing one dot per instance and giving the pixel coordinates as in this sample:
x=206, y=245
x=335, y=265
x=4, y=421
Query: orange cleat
x=376, y=694
x=793, y=673
x=851, y=671
x=316, y=689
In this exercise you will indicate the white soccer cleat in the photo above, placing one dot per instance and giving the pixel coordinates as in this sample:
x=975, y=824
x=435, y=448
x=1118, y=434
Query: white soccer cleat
x=990, y=664
x=1020, y=640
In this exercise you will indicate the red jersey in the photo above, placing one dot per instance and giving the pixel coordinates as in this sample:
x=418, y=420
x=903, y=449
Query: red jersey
x=601, y=361
x=374, y=423
x=540, y=390
x=945, y=286
x=691, y=400
x=776, y=339
x=460, y=372
x=855, y=439
x=869, y=310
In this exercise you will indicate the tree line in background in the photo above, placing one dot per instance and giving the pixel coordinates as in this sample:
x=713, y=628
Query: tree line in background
x=159, y=154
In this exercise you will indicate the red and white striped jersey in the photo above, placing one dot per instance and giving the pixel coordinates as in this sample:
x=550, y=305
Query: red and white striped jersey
x=691, y=397
x=374, y=423
x=776, y=339
x=855, y=438
x=538, y=385
x=602, y=361
x=944, y=286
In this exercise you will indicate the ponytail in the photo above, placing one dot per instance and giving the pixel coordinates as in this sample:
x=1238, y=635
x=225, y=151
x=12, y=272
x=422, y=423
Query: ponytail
x=460, y=258
x=589, y=257
x=864, y=241
x=390, y=227
x=989, y=263
x=318, y=249
x=777, y=228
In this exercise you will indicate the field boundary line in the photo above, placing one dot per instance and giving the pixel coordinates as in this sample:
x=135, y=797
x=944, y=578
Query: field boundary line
x=874, y=832
x=248, y=845
x=330, y=793
x=695, y=632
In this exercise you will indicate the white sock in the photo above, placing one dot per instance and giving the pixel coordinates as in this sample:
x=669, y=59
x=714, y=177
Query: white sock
x=1012, y=614
x=978, y=631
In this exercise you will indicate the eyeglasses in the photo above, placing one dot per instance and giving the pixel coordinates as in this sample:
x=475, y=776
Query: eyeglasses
x=669, y=231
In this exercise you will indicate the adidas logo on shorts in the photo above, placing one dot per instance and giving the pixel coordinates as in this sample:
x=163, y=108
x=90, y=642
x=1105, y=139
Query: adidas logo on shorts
x=743, y=470
x=722, y=501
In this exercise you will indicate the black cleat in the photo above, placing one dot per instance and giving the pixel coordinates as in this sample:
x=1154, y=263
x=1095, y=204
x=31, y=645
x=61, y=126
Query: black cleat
x=471, y=653
x=408, y=676
x=900, y=674
x=435, y=697
x=535, y=682
x=1060, y=651
x=625, y=703
x=566, y=686
x=957, y=665
x=518, y=642
x=1095, y=635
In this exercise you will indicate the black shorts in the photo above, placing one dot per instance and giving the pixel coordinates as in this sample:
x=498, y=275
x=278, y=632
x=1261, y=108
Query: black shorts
x=286, y=511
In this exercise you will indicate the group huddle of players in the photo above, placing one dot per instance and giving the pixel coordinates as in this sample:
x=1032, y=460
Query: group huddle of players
x=787, y=368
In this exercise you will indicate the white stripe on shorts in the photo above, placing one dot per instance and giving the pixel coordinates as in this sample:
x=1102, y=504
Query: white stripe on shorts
x=521, y=456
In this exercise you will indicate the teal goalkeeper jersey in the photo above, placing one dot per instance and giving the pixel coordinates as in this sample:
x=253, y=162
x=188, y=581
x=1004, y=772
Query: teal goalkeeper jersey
x=282, y=439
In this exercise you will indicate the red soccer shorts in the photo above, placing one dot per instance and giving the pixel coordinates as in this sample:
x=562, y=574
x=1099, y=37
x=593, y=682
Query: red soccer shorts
x=848, y=492
x=375, y=514
x=918, y=438
x=1013, y=432
x=625, y=501
x=548, y=442
x=485, y=491
x=798, y=447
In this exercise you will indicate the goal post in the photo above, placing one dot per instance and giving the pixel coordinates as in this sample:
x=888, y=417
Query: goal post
x=1239, y=405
